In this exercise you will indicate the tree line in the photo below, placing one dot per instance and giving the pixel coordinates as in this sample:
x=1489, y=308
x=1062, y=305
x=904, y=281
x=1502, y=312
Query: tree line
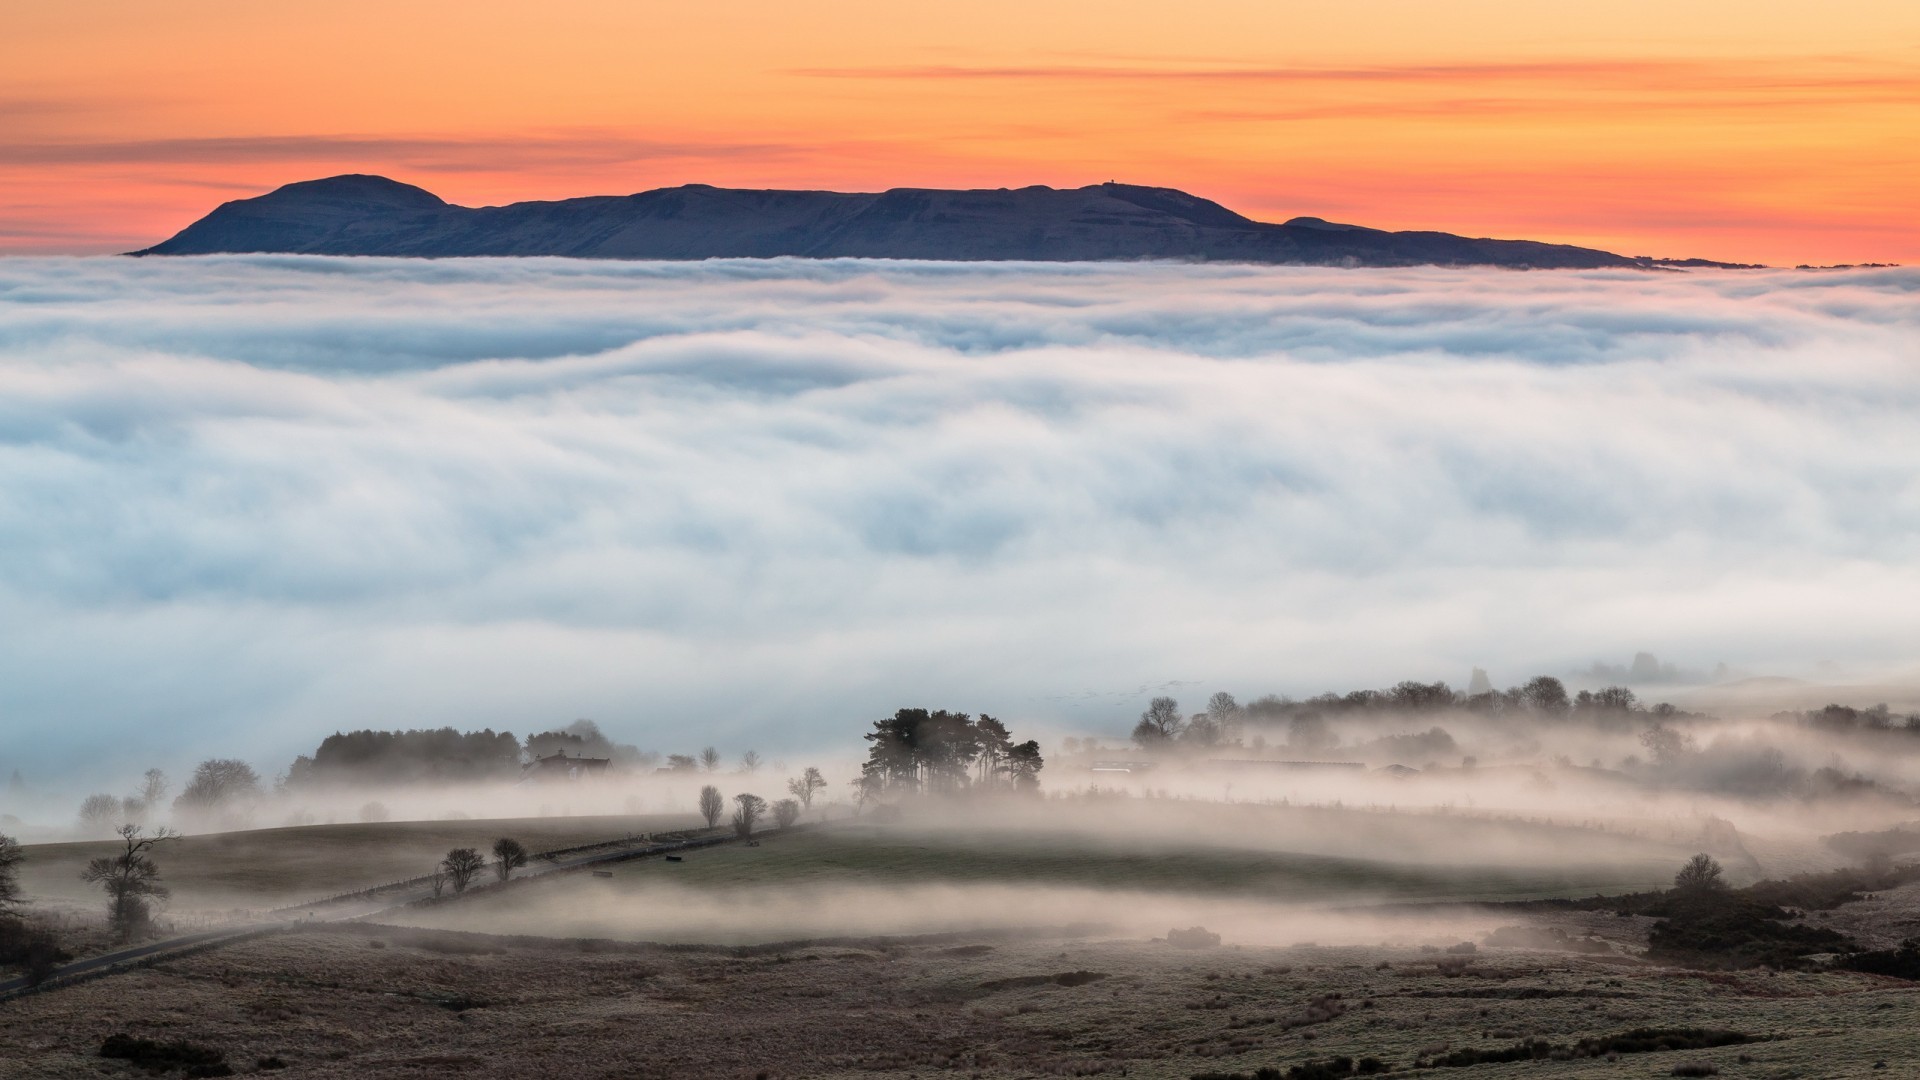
x=1163, y=725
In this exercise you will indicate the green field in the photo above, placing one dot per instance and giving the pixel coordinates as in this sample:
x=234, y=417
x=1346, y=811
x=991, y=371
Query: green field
x=862, y=880
x=881, y=855
x=266, y=868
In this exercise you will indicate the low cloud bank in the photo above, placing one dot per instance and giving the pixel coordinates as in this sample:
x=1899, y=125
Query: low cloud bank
x=245, y=501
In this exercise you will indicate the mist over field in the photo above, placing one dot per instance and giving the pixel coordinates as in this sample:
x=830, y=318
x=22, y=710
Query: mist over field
x=247, y=501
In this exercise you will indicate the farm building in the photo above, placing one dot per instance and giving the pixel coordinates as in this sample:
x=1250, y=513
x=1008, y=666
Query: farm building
x=559, y=768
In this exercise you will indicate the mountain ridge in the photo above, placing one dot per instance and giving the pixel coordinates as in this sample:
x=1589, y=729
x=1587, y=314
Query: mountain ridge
x=365, y=214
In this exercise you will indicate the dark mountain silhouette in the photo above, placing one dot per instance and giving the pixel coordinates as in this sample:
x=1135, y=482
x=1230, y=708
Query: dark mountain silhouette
x=372, y=215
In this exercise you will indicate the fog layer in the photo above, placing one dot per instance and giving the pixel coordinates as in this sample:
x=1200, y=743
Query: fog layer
x=247, y=501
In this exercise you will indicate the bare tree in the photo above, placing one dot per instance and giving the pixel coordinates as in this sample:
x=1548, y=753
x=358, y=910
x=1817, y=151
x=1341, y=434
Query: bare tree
x=750, y=762
x=750, y=808
x=804, y=786
x=11, y=856
x=1201, y=731
x=786, y=812
x=130, y=879
x=710, y=759
x=712, y=805
x=438, y=879
x=1701, y=877
x=143, y=803
x=508, y=854
x=1225, y=714
x=1667, y=746
x=462, y=865
x=1160, y=724
x=101, y=814
x=866, y=788
x=1547, y=695
x=681, y=763
x=221, y=787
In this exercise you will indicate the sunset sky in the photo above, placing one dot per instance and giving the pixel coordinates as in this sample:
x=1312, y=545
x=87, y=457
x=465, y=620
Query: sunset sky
x=1779, y=133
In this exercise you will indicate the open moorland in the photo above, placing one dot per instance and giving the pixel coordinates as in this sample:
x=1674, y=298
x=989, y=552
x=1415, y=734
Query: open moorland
x=370, y=1000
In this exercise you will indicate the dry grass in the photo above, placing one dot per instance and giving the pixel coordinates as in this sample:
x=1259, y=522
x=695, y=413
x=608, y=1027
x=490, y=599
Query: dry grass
x=384, y=1001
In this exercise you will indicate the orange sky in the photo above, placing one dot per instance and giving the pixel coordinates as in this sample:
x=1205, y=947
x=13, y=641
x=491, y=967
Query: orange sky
x=1778, y=132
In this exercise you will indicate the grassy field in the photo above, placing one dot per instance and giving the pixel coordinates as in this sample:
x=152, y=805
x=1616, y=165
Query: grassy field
x=855, y=880
x=885, y=855
x=266, y=868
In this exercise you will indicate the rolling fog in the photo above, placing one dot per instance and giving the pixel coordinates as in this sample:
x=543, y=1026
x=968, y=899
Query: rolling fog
x=248, y=501
x=669, y=913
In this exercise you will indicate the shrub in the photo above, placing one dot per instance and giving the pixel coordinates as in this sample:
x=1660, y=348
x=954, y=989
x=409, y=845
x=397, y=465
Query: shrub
x=1335, y=1068
x=1193, y=937
x=159, y=1057
x=1737, y=932
x=1900, y=963
x=30, y=948
x=1637, y=1041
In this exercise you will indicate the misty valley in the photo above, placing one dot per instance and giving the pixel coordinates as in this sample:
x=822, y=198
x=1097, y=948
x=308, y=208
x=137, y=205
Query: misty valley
x=853, y=668
x=1385, y=882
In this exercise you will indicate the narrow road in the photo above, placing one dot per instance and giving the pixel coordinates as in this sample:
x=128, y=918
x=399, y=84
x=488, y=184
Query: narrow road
x=299, y=915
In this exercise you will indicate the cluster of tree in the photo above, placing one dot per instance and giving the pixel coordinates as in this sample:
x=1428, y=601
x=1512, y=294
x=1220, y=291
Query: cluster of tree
x=583, y=738
x=406, y=757
x=221, y=793
x=1847, y=719
x=1745, y=766
x=101, y=813
x=1164, y=725
x=917, y=751
x=750, y=808
x=709, y=760
x=447, y=755
x=464, y=864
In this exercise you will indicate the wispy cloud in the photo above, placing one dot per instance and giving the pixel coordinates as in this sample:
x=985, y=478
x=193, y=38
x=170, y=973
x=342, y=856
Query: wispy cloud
x=245, y=501
x=493, y=153
x=1777, y=74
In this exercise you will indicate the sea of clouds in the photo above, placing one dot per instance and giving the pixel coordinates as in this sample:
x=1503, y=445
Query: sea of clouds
x=246, y=501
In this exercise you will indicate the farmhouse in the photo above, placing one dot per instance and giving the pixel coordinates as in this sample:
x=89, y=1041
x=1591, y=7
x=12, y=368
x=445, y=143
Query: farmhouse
x=559, y=768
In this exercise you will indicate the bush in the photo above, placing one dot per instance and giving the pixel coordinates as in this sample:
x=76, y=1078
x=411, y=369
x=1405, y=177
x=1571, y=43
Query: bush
x=1193, y=937
x=31, y=949
x=1737, y=932
x=1637, y=1041
x=1900, y=963
x=1529, y=937
x=1653, y=1040
x=1336, y=1068
x=158, y=1057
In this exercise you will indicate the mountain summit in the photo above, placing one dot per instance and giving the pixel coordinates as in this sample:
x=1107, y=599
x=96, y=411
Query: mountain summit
x=372, y=215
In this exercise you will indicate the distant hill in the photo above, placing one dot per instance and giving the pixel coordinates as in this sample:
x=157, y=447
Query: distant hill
x=372, y=215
